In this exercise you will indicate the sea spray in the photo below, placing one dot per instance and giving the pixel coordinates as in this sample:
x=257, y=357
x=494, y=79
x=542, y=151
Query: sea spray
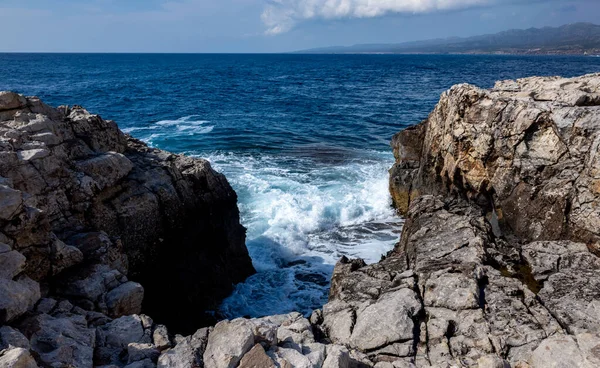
x=304, y=210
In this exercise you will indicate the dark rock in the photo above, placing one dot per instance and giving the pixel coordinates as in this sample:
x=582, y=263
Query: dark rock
x=86, y=205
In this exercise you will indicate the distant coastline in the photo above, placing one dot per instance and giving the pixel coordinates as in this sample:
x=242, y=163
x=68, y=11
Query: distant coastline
x=572, y=39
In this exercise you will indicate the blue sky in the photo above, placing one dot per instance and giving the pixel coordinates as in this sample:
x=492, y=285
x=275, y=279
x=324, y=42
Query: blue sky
x=264, y=25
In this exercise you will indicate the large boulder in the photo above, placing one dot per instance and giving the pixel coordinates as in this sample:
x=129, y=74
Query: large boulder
x=227, y=343
x=62, y=340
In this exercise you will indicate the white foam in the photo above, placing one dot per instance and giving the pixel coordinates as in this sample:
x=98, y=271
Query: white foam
x=297, y=209
x=185, y=126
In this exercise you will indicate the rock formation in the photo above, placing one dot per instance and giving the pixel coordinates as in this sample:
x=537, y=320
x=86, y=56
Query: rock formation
x=87, y=216
x=497, y=266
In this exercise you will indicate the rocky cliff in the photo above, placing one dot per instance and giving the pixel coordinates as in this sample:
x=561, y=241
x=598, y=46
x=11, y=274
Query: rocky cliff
x=89, y=215
x=497, y=265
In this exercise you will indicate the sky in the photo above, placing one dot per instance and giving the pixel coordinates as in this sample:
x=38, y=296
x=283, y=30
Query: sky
x=264, y=25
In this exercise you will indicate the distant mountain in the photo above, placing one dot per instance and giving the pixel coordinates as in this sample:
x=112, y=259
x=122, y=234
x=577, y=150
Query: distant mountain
x=577, y=38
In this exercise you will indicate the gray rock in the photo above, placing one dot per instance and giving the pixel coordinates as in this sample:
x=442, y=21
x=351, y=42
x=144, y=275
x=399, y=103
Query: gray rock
x=46, y=305
x=74, y=188
x=557, y=351
x=106, y=169
x=187, y=353
x=265, y=331
x=125, y=299
x=10, y=201
x=295, y=332
x=9, y=337
x=11, y=264
x=227, y=343
x=11, y=100
x=337, y=357
x=388, y=320
x=113, y=339
x=286, y=357
x=64, y=256
x=146, y=363
x=63, y=307
x=256, y=358
x=17, y=297
x=17, y=358
x=138, y=352
x=160, y=337
x=63, y=341
x=492, y=361
x=315, y=352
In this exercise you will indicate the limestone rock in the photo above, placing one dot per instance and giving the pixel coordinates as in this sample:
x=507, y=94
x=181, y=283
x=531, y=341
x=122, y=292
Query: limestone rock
x=10, y=101
x=17, y=358
x=388, y=320
x=138, y=351
x=61, y=341
x=286, y=357
x=188, y=353
x=227, y=343
x=10, y=201
x=17, y=297
x=125, y=299
x=256, y=358
x=337, y=357
x=11, y=264
x=160, y=337
x=9, y=337
x=113, y=339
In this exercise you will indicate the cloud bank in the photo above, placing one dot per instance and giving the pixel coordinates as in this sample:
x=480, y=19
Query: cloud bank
x=282, y=15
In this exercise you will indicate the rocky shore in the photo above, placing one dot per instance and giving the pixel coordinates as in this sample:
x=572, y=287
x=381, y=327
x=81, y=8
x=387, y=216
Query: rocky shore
x=497, y=266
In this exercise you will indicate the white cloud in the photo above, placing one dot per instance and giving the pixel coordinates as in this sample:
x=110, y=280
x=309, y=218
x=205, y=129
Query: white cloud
x=282, y=15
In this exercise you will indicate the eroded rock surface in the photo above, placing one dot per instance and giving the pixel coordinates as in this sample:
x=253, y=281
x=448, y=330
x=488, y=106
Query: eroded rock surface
x=94, y=227
x=501, y=239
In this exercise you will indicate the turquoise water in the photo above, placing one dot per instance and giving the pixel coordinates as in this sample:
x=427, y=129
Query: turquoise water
x=303, y=139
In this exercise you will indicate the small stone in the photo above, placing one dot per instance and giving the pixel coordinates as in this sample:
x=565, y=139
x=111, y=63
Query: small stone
x=11, y=264
x=337, y=357
x=17, y=297
x=17, y=358
x=147, y=322
x=492, y=361
x=137, y=352
x=187, y=352
x=160, y=337
x=11, y=100
x=227, y=343
x=9, y=337
x=125, y=299
x=33, y=154
x=10, y=202
x=256, y=358
x=45, y=305
x=64, y=306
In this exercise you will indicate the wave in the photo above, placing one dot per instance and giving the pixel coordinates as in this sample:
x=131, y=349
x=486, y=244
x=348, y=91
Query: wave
x=303, y=213
x=187, y=124
x=171, y=129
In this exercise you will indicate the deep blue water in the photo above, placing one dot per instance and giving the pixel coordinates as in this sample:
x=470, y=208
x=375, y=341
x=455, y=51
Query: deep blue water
x=302, y=138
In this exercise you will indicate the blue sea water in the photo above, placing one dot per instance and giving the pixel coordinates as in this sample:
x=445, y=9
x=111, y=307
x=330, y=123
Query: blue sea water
x=303, y=139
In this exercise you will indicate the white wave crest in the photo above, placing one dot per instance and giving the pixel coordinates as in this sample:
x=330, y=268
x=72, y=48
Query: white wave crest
x=302, y=215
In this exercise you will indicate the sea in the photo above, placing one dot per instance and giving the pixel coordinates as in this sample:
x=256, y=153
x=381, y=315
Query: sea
x=303, y=139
